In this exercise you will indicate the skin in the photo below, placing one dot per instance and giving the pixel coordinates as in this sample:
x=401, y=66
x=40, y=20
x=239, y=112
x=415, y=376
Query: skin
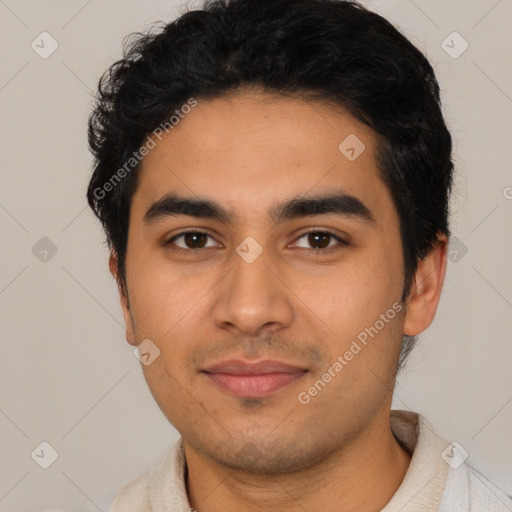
x=250, y=151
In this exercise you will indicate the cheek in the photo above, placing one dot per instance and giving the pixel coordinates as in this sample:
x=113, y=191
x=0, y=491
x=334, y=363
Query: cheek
x=167, y=308
x=356, y=294
x=160, y=297
x=173, y=391
x=361, y=305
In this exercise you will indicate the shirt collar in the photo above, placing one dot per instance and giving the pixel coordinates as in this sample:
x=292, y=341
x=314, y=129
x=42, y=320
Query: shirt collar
x=420, y=491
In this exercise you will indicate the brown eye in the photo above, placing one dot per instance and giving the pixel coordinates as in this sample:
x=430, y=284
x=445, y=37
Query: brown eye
x=191, y=240
x=320, y=240
x=194, y=240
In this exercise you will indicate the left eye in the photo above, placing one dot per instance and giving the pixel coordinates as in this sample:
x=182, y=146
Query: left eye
x=321, y=239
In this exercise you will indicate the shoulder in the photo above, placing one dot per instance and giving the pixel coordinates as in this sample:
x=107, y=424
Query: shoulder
x=162, y=487
x=467, y=490
x=133, y=497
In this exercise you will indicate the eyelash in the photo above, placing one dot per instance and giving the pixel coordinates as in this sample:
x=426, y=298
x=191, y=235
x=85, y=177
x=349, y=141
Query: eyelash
x=342, y=243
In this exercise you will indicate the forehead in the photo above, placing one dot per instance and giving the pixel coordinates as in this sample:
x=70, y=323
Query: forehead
x=248, y=150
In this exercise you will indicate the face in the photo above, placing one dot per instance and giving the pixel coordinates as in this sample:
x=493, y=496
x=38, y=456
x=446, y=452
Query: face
x=272, y=288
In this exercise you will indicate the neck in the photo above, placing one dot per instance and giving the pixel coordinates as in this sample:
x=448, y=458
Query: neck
x=362, y=476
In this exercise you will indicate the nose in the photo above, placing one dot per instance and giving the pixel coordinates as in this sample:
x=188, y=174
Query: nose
x=253, y=298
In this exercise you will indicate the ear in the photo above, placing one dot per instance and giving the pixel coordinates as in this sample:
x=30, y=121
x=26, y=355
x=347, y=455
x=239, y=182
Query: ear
x=426, y=288
x=125, y=304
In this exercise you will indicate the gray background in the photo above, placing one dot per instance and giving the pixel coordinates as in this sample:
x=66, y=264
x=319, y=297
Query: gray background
x=68, y=377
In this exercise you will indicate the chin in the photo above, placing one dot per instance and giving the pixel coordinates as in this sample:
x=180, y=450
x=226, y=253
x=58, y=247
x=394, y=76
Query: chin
x=263, y=457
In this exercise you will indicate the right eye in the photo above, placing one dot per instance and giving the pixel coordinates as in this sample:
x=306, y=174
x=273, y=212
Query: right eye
x=190, y=241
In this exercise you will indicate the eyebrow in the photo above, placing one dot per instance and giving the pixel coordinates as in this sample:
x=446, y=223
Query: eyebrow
x=341, y=204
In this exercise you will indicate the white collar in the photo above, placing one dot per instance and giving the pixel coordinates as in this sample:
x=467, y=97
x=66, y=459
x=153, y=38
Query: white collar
x=163, y=489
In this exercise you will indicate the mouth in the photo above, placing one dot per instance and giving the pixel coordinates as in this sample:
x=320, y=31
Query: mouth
x=249, y=379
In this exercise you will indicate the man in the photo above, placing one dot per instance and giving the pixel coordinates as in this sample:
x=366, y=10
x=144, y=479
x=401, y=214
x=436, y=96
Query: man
x=273, y=178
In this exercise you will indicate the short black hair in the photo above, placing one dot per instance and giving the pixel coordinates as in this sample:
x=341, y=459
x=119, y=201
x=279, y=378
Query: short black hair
x=334, y=51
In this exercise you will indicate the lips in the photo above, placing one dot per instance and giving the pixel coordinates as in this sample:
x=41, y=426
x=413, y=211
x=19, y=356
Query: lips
x=253, y=379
